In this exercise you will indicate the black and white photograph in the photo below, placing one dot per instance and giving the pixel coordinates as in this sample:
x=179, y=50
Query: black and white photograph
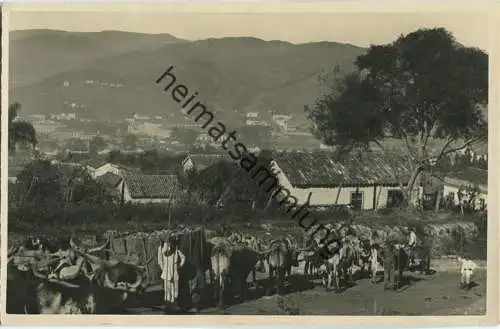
x=249, y=163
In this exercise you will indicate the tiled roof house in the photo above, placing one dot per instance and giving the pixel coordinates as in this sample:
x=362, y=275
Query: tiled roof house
x=141, y=188
x=364, y=182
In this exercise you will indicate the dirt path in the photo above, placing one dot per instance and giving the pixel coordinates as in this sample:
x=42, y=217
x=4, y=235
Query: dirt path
x=437, y=294
x=434, y=295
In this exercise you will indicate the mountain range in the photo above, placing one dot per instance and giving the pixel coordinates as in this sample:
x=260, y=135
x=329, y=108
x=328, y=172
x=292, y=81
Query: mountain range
x=111, y=74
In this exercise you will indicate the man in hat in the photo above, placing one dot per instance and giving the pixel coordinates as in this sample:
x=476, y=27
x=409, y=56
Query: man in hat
x=170, y=260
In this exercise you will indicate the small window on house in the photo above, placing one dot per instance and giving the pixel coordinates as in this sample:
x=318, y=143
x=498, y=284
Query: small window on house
x=357, y=200
x=394, y=198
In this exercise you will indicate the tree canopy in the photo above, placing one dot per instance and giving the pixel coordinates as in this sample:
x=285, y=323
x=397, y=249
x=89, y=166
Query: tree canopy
x=41, y=182
x=424, y=88
x=20, y=132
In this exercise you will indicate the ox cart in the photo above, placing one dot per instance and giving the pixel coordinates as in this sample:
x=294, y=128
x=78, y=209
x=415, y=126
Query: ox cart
x=138, y=247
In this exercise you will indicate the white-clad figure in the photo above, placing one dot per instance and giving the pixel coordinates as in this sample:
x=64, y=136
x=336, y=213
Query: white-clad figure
x=170, y=260
x=412, y=243
x=412, y=239
x=467, y=268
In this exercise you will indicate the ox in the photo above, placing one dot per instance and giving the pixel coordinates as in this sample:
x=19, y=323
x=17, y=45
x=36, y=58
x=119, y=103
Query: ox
x=369, y=259
x=99, y=292
x=339, y=266
x=114, y=274
x=423, y=254
x=395, y=260
x=231, y=266
x=280, y=258
x=312, y=258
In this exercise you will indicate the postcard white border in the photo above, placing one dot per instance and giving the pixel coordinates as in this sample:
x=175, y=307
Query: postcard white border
x=320, y=7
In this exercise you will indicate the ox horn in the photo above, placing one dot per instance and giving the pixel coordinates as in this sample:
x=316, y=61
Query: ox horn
x=122, y=286
x=73, y=244
x=64, y=283
x=59, y=254
x=100, y=248
x=46, y=278
x=12, y=251
x=10, y=254
x=107, y=281
x=93, y=259
x=37, y=273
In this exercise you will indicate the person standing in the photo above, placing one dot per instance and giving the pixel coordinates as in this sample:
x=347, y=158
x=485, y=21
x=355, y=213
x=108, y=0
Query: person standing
x=412, y=243
x=170, y=260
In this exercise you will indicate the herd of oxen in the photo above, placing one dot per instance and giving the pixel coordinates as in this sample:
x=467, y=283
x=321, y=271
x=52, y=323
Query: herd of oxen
x=103, y=284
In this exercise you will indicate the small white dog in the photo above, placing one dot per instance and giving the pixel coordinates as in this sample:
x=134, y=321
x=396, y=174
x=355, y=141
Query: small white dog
x=467, y=268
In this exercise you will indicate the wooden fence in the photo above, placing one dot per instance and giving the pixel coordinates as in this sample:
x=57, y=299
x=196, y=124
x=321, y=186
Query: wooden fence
x=138, y=248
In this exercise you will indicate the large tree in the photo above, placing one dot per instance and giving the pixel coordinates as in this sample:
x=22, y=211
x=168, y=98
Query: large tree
x=20, y=132
x=42, y=183
x=424, y=90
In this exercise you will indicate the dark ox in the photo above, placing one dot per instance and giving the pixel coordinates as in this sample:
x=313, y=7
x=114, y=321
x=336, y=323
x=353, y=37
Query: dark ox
x=395, y=261
x=312, y=258
x=280, y=257
x=423, y=254
x=230, y=269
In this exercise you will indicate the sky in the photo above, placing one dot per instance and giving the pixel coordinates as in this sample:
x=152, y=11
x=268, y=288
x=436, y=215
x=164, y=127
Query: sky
x=361, y=29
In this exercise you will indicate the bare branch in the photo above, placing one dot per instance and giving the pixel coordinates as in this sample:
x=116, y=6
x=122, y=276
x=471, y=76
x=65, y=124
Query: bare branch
x=446, y=150
x=443, y=150
x=464, y=145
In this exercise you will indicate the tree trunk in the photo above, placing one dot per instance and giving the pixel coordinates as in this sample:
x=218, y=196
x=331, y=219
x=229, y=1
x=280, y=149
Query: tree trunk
x=410, y=196
x=438, y=201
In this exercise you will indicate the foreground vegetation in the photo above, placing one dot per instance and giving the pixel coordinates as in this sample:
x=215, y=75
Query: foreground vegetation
x=450, y=232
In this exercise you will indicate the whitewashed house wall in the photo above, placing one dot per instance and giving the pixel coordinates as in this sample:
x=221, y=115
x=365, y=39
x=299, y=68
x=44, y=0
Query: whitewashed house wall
x=128, y=199
x=373, y=197
x=102, y=170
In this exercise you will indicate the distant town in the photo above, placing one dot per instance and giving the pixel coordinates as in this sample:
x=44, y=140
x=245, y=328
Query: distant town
x=67, y=132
